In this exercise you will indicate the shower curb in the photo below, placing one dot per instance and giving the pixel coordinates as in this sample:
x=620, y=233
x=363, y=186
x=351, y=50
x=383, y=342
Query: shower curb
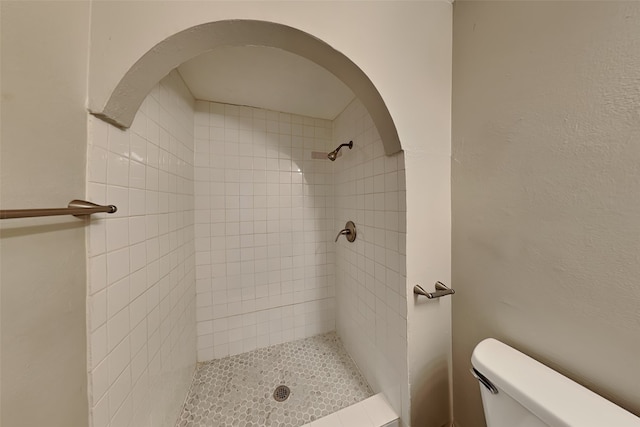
x=374, y=411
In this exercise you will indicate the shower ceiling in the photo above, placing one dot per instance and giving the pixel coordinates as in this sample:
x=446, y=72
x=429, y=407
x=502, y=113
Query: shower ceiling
x=267, y=78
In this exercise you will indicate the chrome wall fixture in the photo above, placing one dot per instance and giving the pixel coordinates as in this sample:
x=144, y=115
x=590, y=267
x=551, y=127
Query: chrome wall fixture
x=76, y=208
x=349, y=231
x=441, y=290
x=484, y=381
x=334, y=154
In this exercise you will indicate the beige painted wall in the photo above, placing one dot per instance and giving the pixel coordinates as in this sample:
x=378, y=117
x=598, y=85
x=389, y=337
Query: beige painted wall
x=546, y=212
x=42, y=270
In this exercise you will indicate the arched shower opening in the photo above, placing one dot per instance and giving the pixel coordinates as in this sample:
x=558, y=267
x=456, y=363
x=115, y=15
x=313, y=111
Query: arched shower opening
x=207, y=255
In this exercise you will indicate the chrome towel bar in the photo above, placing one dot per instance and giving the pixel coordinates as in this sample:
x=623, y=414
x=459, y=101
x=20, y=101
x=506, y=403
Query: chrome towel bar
x=441, y=290
x=76, y=208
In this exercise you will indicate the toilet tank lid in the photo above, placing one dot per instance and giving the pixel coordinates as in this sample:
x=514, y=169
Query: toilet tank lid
x=552, y=397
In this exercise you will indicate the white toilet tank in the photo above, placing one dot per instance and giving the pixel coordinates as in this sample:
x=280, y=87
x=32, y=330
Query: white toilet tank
x=529, y=394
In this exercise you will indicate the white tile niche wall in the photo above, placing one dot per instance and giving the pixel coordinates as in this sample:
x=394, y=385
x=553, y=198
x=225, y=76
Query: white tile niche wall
x=264, y=228
x=141, y=262
x=371, y=272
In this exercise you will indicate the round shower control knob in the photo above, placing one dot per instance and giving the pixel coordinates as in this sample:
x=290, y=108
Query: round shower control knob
x=349, y=231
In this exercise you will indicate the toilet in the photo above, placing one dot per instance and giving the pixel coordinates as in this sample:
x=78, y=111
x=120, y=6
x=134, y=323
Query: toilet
x=518, y=391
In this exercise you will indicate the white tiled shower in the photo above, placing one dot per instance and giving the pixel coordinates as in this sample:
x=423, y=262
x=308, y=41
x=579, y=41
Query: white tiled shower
x=226, y=203
x=141, y=296
x=369, y=189
x=264, y=223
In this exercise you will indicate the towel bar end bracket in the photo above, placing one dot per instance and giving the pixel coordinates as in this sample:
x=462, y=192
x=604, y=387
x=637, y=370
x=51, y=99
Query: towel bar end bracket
x=441, y=290
x=83, y=204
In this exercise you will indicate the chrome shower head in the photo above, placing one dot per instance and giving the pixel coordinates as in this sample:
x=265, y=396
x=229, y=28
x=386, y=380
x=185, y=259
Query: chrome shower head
x=334, y=154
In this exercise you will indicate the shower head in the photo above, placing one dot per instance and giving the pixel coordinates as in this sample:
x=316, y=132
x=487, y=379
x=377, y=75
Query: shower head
x=334, y=154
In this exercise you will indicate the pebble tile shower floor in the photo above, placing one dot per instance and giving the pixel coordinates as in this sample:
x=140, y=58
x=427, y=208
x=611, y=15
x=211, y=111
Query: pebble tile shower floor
x=238, y=390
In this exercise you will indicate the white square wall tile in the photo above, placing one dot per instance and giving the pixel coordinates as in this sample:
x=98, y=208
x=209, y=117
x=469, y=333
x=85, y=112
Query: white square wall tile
x=138, y=256
x=205, y=354
x=98, y=309
x=99, y=381
x=137, y=310
x=117, y=328
x=117, y=265
x=144, y=257
x=98, y=346
x=98, y=132
x=137, y=201
x=97, y=273
x=122, y=418
x=117, y=296
x=118, y=141
x=118, y=360
x=118, y=196
x=97, y=164
x=119, y=391
x=117, y=233
x=100, y=413
x=117, y=170
x=137, y=230
x=97, y=234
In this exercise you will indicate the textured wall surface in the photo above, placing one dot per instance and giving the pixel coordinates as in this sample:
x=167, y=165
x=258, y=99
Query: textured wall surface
x=42, y=268
x=371, y=272
x=141, y=262
x=546, y=228
x=264, y=224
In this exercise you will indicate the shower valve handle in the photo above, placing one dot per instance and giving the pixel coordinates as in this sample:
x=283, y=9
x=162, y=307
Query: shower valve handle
x=344, y=231
x=349, y=231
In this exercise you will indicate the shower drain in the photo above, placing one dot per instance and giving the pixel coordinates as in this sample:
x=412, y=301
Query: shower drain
x=281, y=393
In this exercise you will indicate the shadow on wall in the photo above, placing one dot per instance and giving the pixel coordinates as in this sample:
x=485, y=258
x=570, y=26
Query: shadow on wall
x=427, y=399
x=28, y=230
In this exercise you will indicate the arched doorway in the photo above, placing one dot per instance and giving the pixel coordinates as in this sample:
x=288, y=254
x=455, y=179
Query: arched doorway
x=384, y=211
x=126, y=98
